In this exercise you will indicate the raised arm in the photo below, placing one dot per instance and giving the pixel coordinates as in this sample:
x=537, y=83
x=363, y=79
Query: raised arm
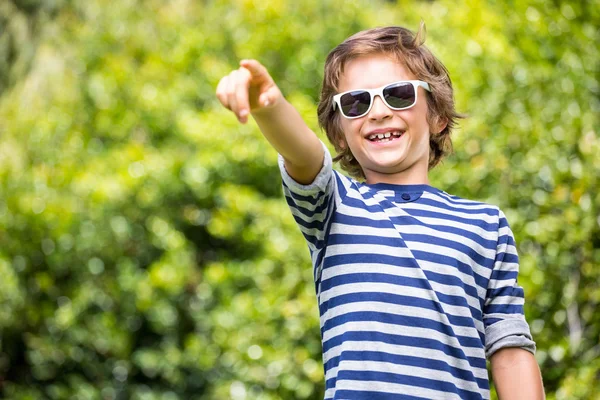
x=251, y=90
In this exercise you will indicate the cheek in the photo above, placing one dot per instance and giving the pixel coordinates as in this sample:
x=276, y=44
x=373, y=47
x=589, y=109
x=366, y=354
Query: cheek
x=347, y=137
x=421, y=116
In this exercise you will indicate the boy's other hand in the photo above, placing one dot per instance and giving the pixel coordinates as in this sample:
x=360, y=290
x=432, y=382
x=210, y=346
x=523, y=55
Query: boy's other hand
x=248, y=89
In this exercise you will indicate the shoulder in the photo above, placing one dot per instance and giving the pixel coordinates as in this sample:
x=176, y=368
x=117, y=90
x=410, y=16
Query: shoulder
x=453, y=202
x=476, y=213
x=345, y=184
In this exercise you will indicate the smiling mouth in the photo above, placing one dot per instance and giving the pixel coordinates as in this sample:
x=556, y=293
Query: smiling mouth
x=385, y=137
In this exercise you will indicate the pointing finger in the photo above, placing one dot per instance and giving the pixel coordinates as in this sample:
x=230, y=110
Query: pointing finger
x=257, y=70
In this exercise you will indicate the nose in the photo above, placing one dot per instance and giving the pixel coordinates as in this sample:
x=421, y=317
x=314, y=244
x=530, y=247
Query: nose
x=379, y=110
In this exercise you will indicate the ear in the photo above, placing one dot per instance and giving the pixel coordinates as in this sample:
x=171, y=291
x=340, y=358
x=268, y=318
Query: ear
x=438, y=125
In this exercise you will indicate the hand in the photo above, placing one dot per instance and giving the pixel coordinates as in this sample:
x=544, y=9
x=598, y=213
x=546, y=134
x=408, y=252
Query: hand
x=248, y=89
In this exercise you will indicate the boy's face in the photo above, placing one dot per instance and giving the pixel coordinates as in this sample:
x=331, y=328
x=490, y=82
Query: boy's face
x=401, y=160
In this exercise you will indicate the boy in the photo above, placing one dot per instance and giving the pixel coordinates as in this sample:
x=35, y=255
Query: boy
x=416, y=288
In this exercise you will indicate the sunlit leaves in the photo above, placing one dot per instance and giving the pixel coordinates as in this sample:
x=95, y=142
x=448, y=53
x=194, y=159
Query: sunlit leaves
x=146, y=250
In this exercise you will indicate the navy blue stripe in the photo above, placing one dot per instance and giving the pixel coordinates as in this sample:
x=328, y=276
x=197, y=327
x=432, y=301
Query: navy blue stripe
x=503, y=309
x=347, y=238
x=341, y=238
x=316, y=224
x=397, y=299
x=453, y=281
x=319, y=259
x=309, y=212
x=311, y=239
x=360, y=204
x=487, y=226
x=313, y=200
x=459, y=200
x=438, y=241
x=456, y=207
x=368, y=258
x=507, y=240
x=491, y=321
x=413, y=381
x=400, y=320
x=512, y=291
x=400, y=281
x=508, y=258
x=298, y=197
x=404, y=340
x=374, y=277
x=487, y=243
x=504, y=275
x=378, y=209
x=413, y=361
x=341, y=188
x=447, y=260
x=369, y=395
x=362, y=221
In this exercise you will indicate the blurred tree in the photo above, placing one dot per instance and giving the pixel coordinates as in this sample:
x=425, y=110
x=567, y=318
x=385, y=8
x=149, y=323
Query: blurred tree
x=145, y=249
x=22, y=25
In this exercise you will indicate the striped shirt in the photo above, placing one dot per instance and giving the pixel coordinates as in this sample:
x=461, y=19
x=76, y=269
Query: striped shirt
x=415, y=287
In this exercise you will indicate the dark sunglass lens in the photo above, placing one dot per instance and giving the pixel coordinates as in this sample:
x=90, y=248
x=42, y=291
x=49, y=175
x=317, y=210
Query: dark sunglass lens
x=400, y=95
x=355, y=104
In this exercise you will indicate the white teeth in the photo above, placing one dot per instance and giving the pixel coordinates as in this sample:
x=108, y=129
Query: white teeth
x=385, y=137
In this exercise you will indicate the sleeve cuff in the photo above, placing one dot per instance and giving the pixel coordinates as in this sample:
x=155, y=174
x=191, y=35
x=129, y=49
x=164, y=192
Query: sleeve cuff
x=508, y=333
x=319, y=184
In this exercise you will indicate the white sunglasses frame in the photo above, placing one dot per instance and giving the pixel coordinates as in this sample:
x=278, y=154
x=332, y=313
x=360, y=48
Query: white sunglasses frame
x=379, y=92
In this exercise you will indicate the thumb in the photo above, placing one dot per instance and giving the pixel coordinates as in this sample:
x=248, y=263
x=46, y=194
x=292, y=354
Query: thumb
x=264, y=100
x=270, y=97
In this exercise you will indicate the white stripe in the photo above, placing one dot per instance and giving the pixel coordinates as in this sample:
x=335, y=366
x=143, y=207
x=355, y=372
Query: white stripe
x=452, y=271
x=394, y=289
x=397, y=349
x=308, y=219
x=419, y=372
x=351, y=211
x=505, y=231
x=506, y=300
x=401, y=310
x=454, y=201
x=449, y=252
x=364, y=268
x=407, y=272
x=476, y=247
x=490, y=219
x=486, y=235
x=341, y=229
x=374, y=249
x=506, y=267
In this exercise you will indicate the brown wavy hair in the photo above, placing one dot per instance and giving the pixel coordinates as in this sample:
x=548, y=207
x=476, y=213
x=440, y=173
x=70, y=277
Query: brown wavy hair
x=409, y=49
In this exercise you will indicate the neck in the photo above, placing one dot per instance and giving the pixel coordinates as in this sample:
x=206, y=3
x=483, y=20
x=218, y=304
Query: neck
x=397, y=178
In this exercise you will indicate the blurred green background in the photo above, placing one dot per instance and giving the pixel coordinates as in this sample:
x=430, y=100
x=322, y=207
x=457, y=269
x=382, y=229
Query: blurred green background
x=146, y=251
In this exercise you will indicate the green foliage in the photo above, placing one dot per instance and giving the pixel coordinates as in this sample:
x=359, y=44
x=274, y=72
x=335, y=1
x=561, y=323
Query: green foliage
x=146, y=251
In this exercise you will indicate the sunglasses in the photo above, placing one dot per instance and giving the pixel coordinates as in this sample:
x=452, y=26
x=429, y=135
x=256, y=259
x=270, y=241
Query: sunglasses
x=397, y=96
